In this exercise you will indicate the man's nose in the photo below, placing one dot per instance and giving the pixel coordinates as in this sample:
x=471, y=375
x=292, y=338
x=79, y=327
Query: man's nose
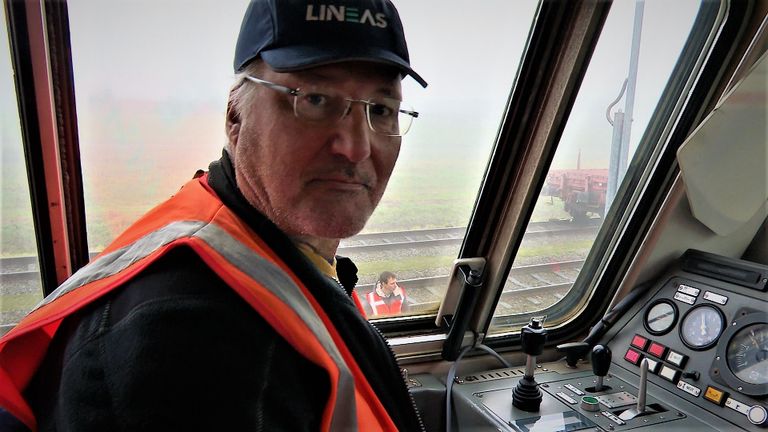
x=353, y=135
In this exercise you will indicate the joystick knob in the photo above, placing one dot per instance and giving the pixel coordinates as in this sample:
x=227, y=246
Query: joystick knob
x=601, y=361
x=526, y=395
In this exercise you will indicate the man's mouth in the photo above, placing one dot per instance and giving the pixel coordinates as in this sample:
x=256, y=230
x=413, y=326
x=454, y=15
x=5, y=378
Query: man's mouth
x=343, y=183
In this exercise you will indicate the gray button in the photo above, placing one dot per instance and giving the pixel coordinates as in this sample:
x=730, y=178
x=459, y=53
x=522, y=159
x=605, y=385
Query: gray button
x=715, y=298
x=566, y=398
x=689, y=388
x=688, y=290
x=574, y=390
x=685, y=298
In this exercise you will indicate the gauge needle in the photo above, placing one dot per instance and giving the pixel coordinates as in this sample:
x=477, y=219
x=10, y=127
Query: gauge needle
x=752, y=338
x=703, y=326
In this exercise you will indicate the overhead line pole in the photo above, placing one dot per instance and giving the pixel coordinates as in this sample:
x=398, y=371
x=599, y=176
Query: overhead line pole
x=629, y=105
x=622, y=121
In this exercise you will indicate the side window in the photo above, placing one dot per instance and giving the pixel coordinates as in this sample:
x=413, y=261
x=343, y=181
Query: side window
x=150, y=107
x=20, y=285
x=469, y=53
x=620, y=92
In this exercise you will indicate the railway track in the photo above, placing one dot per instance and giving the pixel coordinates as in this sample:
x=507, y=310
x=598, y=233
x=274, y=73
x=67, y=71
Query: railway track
x=416, y=239
x=19, y=275
x=528, y=287
x=538, y=271
x=16, y=267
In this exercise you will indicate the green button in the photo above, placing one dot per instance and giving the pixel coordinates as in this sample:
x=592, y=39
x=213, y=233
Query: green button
x=590, y=403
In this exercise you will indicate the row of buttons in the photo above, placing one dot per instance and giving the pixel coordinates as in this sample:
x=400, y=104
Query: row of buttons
x=658, y=350
x=687, y=294
x=655, y=367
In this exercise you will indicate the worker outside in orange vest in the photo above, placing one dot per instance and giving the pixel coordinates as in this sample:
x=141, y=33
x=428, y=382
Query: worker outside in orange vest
x=387, y=297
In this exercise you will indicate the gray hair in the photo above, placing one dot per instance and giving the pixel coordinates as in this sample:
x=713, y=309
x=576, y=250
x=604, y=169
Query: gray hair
x=242, y=97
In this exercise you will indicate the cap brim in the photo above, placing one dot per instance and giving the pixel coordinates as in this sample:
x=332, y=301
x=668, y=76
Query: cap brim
x=293, y=58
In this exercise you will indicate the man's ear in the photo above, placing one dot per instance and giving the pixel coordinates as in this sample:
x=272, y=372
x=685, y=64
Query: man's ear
x=232, y=124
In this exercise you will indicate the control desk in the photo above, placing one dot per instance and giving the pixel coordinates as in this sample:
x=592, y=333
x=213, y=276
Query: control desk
x=692, y=354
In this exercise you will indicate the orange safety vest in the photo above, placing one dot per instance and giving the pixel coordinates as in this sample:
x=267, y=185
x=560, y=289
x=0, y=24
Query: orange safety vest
x=196, y=217
x=379, y=307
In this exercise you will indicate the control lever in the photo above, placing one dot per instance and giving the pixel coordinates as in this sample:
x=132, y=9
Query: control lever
x=641, y=391
x=694, y=375
x=642, y=387
x=574, y=351
x=527, y=395
x=601, y=361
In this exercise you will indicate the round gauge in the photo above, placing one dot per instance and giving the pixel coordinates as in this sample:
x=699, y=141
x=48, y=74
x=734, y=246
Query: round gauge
x=743, y=362
x=660, y=317
x=747, y=354
x=701, y=327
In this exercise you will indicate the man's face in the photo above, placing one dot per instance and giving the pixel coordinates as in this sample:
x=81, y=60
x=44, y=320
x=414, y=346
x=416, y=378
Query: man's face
x=390, y=286
x=321, y=180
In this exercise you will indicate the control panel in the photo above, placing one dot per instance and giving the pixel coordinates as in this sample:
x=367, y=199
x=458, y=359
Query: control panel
x=692, y=354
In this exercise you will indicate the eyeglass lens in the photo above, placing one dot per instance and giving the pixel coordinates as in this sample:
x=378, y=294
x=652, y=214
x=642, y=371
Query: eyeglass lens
x=386, y=116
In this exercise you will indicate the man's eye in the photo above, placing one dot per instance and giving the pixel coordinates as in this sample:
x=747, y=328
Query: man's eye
x=316, y=99
x=380, y=110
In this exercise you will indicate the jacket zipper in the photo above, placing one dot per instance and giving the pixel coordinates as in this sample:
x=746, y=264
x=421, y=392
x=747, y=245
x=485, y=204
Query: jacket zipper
x=400, y=372
x=397, y=370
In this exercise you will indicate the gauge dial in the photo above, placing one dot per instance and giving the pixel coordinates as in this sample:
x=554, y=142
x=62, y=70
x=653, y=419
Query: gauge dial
x=701, y=327
x=747, y=354
x=660, y=317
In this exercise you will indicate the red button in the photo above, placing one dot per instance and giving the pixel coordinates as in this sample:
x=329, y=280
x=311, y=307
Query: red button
x=632, y=356
x=657, y=350
x=639, y=342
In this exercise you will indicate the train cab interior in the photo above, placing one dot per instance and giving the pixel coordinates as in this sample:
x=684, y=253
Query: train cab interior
x=578, y=217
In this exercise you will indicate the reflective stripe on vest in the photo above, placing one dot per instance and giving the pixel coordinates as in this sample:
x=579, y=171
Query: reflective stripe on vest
x=380, y=307
x=229, y=257
x=250, y=263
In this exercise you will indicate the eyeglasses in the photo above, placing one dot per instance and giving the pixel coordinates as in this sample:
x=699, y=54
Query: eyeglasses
x=385, y=116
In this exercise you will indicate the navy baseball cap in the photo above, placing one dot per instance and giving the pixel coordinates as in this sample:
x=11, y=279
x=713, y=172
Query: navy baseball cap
x=291, y=35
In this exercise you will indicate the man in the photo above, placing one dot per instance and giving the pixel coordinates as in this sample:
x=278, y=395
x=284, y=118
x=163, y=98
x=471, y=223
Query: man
x=387, y=297
x=224, y=308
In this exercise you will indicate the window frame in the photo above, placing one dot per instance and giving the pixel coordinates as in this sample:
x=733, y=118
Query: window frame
x=42, y=62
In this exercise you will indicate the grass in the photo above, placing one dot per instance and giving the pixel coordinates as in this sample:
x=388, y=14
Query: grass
x=19, y=302
x=370, y=269
x=413, y=263
x=554, y=249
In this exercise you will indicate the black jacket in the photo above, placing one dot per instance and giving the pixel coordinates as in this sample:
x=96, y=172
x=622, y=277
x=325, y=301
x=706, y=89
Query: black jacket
x=176, y=349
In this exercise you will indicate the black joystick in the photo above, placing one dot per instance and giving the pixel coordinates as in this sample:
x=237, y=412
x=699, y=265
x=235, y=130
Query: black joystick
x=527, y=395
x=601, y=361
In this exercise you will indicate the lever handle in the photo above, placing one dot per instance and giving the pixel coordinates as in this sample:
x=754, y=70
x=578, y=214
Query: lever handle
x=601, y=360
x=642, y=387
x=574, y=351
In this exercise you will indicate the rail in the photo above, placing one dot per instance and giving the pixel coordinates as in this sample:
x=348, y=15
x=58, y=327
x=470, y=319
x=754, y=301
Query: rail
x=415, y=239
x=20, y=275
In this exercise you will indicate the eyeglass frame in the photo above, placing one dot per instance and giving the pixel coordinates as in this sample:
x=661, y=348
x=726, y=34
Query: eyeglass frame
x=296, y=92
